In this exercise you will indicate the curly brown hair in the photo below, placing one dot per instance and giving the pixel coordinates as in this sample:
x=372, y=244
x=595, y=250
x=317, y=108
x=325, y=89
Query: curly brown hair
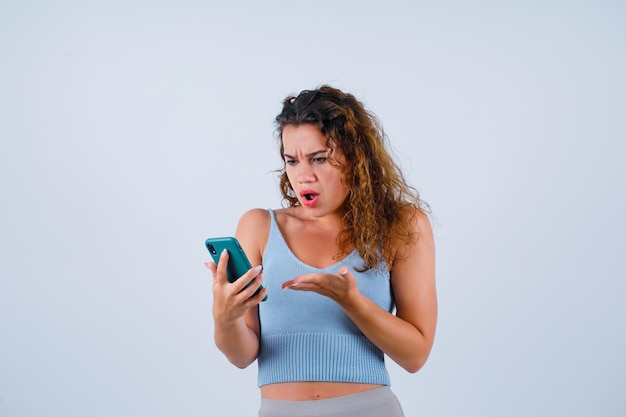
x=381, y=206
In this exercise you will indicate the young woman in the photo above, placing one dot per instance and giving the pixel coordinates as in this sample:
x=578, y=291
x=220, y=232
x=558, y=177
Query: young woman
x=348, y=268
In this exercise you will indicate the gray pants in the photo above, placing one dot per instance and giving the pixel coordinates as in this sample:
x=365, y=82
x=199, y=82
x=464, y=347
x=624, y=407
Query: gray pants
x=380, y=402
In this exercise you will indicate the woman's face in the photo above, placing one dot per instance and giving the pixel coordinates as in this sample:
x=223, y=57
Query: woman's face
x=316, y=181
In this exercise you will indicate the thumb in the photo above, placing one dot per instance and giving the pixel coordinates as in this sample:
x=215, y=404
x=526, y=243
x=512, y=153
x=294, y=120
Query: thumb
x=343, y=270
x=219, y=270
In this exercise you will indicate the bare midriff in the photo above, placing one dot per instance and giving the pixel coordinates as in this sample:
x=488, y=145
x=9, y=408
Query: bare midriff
x=306, y=391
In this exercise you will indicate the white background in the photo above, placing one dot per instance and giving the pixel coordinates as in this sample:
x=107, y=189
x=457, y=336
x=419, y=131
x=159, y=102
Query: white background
x=133, y=130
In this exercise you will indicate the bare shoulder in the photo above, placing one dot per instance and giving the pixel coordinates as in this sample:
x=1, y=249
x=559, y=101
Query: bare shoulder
x=416, y=222
x=413, y=267
x=255, y=218
x=422, y=226
x=253, y=232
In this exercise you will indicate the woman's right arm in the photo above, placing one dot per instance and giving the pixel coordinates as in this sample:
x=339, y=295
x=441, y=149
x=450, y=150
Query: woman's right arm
x=235, y=310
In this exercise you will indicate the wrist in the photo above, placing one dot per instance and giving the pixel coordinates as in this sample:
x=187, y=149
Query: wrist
x=355, y=301
x=223, y=325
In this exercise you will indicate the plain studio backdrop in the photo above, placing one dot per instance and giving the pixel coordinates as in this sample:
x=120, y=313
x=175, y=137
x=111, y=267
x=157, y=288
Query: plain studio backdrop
x=132, y=131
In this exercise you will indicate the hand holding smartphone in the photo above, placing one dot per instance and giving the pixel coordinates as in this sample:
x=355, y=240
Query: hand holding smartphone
x=238, y=263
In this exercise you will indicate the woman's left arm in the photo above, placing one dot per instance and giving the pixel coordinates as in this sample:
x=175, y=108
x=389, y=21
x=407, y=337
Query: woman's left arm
x=408, y=336
x=412, y=331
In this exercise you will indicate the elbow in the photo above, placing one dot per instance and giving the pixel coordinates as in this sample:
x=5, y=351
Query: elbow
x=239, y=359
x=415, y=363
x=241, y=363
x=416, y=358
x=413, y=367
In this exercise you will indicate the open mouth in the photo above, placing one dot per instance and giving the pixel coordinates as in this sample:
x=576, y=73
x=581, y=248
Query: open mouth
x=308, y=197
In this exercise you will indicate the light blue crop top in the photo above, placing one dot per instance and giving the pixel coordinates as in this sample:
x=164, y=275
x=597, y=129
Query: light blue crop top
x=308, y=337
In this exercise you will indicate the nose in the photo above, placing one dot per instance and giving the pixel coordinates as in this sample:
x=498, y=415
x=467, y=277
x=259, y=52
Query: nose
x=305, y=173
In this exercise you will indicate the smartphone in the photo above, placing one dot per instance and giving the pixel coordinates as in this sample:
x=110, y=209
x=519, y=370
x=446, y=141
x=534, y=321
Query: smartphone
x=238, y=263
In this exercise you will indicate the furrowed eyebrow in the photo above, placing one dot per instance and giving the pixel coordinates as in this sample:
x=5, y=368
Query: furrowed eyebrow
x=309, y=155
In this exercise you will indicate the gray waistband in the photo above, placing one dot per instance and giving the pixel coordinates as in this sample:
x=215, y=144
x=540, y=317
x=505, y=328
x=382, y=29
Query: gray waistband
x=377, y=402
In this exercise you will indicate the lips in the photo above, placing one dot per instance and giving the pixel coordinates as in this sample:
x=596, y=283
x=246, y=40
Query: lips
x=308, y=198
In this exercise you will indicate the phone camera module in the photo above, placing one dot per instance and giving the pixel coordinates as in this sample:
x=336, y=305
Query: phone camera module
x=212, y=249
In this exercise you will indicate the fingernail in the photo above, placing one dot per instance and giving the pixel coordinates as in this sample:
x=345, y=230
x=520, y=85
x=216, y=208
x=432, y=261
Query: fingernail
x=343, y=270
x=258, y=268
x=285, y=287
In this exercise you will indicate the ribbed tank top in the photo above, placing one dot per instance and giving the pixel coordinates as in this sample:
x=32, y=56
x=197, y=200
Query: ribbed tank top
x=306, y=336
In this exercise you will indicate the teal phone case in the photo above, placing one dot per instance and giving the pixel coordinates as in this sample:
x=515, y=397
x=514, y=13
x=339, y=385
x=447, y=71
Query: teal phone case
x=238, y=263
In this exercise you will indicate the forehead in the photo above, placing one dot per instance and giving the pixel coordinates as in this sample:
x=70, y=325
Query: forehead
x=305, y=137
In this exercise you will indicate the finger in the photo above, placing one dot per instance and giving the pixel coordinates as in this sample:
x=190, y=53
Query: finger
x=222, y=266
x=220, y=275
x=296, y=283
x=211, y=265
x=303, y=286
x=299, y=281
x=257, y=299
x=213, y=268
x=289, y=284
x=246, y=278
x=306, y=282
x=254, y=294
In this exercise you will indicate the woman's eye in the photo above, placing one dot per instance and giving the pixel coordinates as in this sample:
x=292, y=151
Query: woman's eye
x=320, y=160
x=290, y=162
